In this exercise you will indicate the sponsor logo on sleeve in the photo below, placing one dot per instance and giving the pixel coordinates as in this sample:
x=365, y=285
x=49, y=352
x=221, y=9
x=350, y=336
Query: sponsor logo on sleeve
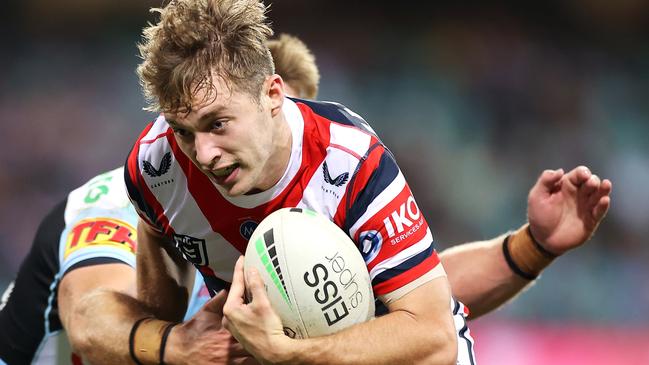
x=165, y=164
x=97, y=232
x=370, y=244
x=403, y=222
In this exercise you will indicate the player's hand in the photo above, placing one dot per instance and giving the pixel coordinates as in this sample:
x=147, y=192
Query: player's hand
x=204, y=340
x=255, y=324
x=564, y=209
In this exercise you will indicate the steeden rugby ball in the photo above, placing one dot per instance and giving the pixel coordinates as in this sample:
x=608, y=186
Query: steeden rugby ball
x=315, y=277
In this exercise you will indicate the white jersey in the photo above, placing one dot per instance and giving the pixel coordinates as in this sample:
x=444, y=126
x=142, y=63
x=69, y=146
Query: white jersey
x=96, y=224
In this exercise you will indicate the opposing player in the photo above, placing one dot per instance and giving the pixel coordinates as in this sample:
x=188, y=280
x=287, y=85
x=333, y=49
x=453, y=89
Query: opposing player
x=83, y=257
x=295, y=62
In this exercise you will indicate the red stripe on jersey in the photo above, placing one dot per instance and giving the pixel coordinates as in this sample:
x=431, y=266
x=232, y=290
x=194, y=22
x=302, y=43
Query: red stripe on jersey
x=343, y=148
x=315, y=140
x=391, y=246
x=206, y=270
x=359, y=181
x=150, y=199
x=407, y=276
x=148, y=141
x=132, y=165
x=209, y=199
x=218, y=211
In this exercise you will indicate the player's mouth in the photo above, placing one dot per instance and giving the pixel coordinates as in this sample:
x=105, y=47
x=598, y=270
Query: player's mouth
x=225, y=174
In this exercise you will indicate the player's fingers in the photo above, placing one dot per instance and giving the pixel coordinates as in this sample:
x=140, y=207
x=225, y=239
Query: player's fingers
x=549, y=178
x=606, y=187
x=215, y=305
x=579, y=175
x=256, y=287
x=590, y=187
x=238, y=286
x=599, y=211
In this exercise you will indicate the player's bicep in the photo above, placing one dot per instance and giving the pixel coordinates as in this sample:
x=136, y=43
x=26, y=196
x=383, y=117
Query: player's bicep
x=427, y=308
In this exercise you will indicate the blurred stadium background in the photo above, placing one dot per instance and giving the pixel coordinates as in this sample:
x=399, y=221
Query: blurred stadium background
x=474, y=99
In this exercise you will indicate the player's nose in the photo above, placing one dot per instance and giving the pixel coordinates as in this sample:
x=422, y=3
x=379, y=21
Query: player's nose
x=207, y=150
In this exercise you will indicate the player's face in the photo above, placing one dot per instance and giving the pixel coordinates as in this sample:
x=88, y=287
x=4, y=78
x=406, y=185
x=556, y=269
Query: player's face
x=240, y=143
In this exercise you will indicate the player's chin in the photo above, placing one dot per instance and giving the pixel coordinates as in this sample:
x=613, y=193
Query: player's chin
x=239, y=188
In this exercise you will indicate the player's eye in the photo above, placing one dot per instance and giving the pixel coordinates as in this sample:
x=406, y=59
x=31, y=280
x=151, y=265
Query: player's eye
x=181, y=132
x=218, y=125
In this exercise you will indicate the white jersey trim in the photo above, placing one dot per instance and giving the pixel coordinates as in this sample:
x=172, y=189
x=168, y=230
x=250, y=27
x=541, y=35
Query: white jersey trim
x=380, y=202
x=403, y=255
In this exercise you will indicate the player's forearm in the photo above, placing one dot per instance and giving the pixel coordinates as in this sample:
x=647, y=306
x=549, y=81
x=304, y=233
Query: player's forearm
x=99, y=325
x=480, y=276
x=400, y=337
x=162, y=281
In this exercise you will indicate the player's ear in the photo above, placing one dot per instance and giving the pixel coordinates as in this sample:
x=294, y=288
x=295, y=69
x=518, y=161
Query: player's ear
x=275, y=93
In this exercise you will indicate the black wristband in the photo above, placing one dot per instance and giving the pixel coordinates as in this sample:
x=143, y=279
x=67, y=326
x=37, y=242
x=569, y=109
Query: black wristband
x=163, y=341
x=512, y=265
x=131, y=339
x=538, y=246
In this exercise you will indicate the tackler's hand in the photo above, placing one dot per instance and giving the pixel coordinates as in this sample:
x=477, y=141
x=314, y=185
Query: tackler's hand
x=564, y=209
x=204, y=340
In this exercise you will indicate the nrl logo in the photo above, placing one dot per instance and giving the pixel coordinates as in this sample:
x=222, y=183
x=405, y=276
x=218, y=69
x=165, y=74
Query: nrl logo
x=338, y=181
x=193, y=249
x=165, y=164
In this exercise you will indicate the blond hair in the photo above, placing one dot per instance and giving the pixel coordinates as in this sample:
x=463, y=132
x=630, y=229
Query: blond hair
x=296, y=64
x=196, y=40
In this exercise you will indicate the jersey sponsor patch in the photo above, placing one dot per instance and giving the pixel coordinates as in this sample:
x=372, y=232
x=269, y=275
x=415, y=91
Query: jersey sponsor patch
x=95, y=232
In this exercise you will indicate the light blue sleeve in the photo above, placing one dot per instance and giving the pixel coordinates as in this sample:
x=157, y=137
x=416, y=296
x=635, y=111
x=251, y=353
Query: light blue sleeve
x=99, y=233
x=200, y=296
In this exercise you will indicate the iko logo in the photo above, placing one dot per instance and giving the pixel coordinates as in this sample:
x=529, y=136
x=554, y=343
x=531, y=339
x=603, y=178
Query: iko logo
x=407, y=215
x=165, y=164
x=246, y=228
x=193, y=249
x=338, y=181
x=370, y=242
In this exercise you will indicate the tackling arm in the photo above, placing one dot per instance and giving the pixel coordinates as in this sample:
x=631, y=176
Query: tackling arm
x=480, y=276
x=164, y=278
x=97, y=309
x=564, y=211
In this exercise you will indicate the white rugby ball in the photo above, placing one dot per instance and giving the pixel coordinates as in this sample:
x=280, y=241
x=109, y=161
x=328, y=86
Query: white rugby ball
x=315, y=277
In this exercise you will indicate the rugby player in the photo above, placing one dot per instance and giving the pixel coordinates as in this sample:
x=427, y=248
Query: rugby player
x=37, y=276
x=83, y=256
x=93, y=230
x=234, y=149
x=295, y=62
